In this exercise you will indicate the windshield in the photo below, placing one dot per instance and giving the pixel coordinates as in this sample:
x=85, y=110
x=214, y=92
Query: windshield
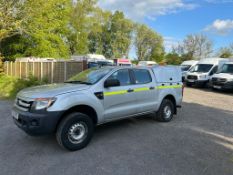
x=204, y=68
x=185, y=67
x=89, y=76
x=227, y=68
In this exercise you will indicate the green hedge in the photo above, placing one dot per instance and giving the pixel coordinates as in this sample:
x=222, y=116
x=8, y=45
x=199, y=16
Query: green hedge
x=10, y=86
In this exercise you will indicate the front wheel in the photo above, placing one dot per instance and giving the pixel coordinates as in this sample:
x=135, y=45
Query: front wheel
x=166, y=111
x=75, y=131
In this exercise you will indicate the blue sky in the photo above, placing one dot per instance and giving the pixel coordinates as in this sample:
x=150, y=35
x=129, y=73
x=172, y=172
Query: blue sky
x=174, y=19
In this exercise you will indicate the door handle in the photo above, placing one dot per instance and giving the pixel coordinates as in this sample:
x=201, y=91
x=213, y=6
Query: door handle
x=130, y=90
x=152, y=88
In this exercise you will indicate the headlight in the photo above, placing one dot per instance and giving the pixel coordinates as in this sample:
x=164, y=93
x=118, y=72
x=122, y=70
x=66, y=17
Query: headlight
x=43, y=103
x=202, y=76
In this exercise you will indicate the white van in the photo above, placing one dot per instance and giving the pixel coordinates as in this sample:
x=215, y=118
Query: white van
x=201, y=73
x=147, y=63
x=186, y=66
x=223, y=80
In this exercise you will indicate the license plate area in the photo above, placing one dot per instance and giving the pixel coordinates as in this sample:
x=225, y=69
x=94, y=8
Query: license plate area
x=15, y=115
x=191, y=81
x=217, y=87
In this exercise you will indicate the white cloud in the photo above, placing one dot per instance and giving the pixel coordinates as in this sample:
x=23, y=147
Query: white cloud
x=221, y=27
x=150, y=9
x=219, y=1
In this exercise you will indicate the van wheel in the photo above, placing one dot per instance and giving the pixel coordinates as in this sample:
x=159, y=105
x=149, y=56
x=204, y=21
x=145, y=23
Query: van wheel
x=188, y=84
x=166, y=111
x=75, y=131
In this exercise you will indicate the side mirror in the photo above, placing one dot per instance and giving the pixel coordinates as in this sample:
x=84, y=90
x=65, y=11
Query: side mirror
x=111, y=83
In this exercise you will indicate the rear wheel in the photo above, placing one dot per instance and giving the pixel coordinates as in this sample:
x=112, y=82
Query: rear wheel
x=75, y=131
x=166, y=111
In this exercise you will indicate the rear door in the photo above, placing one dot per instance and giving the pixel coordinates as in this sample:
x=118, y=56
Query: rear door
x=145, y=91
x=120, y=101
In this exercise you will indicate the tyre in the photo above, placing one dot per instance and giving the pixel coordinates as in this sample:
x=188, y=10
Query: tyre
x=75, y=131
x=188, y=84
x=166, y=111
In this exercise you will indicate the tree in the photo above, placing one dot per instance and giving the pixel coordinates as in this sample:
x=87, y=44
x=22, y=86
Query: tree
x=95, y=37
x=46, y=28
x=149, y=44
x=11, y=13
x=195, y=46
x=81, y=16
x=117, y=36
x=173, y=59
x=225, y=52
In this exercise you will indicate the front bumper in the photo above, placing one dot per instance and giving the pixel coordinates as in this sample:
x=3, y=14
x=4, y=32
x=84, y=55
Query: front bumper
x=36, y=124
x=222, y=86
x=196, y=82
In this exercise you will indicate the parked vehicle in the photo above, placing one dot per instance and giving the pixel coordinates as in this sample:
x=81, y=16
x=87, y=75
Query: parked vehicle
x=96, y=96
x=186, y=66
x=103, y=63
x=147, y=63
x=202, y=72
x=122, y=62
x=223, y=80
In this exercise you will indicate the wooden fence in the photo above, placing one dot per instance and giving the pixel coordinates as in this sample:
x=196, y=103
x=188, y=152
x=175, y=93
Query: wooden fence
x=52, y=71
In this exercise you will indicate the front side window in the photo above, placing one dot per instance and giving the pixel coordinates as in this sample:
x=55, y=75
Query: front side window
x=122, y=76
x=142, y=76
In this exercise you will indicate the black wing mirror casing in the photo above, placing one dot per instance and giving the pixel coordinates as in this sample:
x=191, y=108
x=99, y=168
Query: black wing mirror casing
x=111, y=83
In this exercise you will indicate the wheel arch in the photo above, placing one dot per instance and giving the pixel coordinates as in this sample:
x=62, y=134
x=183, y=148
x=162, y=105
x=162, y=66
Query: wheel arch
x=173, y=100
x=85, y=109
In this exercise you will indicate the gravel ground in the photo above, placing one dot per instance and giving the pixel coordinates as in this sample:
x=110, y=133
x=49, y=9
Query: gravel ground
x=198, y=141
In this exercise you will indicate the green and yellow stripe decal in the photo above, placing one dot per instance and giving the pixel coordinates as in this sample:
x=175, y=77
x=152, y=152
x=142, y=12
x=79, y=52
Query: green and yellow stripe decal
x=115, y=93
x=169, y=87
x=142, y=89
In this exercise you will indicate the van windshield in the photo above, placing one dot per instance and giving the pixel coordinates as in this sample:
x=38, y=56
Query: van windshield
x=227, y=68
x=203, y=68
x=185, y=67
x=89, y=76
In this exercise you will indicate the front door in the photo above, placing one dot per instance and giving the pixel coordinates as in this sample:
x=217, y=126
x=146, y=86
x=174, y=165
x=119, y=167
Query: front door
x=120, y=101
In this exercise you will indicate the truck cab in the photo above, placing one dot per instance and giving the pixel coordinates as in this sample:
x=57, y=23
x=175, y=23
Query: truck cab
x=202, y=72
x=72, y=109
x=223, y=80
x=186, y=66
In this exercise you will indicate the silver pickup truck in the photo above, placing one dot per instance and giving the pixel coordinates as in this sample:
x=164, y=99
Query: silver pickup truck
x=72, y=109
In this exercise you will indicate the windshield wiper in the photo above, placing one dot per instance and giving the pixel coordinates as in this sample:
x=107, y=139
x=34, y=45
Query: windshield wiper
x=79, y=82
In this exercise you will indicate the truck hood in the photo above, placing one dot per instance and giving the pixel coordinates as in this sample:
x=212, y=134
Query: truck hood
x=51, y=90
x=196, y=73
x=223, y=75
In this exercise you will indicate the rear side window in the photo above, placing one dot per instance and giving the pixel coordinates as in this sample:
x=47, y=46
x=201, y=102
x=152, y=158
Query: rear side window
x=142, y=76
x=122, y=76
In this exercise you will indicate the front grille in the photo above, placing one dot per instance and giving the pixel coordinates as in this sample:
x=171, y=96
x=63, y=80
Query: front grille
x=23, y=105
x=219, y=80
x=192, y=77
